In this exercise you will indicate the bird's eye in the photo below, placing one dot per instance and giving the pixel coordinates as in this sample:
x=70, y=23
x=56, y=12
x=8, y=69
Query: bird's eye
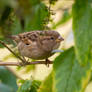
x=52, y=38
x=24, y=37
x=27, y=44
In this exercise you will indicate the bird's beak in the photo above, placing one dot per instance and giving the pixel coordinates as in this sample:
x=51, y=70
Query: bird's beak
x=59, y=39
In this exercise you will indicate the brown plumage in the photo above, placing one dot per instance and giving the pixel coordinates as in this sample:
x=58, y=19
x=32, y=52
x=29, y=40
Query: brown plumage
x=37, y=44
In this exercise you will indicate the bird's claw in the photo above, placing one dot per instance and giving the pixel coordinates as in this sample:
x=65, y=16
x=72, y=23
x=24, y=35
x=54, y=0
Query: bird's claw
x=47, y=62
x=24, y=63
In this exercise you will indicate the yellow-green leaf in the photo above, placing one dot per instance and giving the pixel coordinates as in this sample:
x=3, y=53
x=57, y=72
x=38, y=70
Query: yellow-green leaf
x=47, y=85
x=69, y=75
x=29, y=86
x=82, y=28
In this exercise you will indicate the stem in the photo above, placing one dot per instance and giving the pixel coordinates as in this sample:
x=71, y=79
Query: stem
x=11, y=51
x=20, y=64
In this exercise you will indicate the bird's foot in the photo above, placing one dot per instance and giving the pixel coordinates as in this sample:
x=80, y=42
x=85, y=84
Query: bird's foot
x=47, y=62
x=24, y=62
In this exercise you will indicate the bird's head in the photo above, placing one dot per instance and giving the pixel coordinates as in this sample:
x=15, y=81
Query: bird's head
x=53, y=39
x=54, y=36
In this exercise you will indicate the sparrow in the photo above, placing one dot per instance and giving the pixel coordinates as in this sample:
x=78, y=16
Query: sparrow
x=37, y=45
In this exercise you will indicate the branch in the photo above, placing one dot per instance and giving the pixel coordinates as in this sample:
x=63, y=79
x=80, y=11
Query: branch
x=11, y=51
x=21, y=64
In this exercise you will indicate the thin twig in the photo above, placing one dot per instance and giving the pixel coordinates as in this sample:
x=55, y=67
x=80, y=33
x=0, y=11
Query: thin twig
x=11, y=51
x=49, y=8
x=20, y=64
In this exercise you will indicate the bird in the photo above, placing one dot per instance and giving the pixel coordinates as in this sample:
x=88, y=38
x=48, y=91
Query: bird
x=37, y=45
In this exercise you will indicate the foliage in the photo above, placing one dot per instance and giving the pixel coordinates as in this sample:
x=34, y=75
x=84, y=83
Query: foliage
x=69, y=75
x=72, y=68
x=22, y=16
x=47, y=85
x=7, y=81
x=29, y=86
x=82, y=27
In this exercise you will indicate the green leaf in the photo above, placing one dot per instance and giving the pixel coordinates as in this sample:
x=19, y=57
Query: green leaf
x=16, y=26
x=25, y=87
x=4, y=3
x=36, y=20
x=29, y=68
x=5, y=88
x=5, y=15
x=35, y=86
x=82, y=28
x=29, y=86
x=8, y=57
x=47, y=84
x=91, y=77
x=7, y=79
x=69, y=75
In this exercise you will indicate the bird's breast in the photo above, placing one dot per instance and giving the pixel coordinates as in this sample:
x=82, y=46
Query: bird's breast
x=33, y=51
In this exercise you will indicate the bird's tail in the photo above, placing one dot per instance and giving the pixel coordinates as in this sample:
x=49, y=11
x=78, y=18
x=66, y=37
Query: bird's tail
x=15, y=38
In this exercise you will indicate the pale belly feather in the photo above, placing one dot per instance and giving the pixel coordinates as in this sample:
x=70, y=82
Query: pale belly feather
x=32, y=51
